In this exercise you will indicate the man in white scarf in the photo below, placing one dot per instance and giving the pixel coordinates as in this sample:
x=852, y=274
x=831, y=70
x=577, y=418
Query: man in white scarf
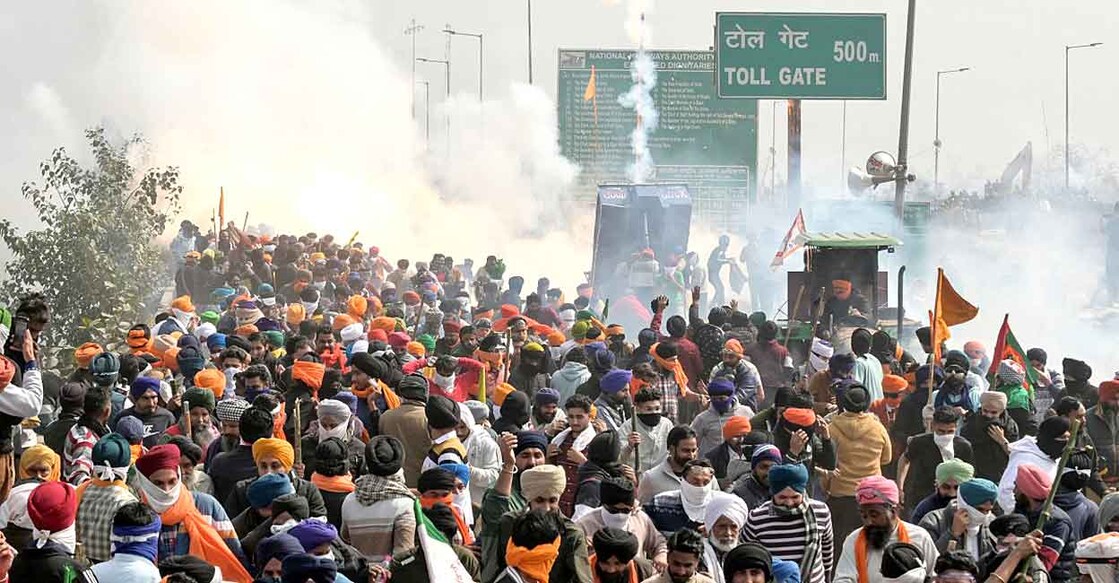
x=723, y=520
x=1096, y=557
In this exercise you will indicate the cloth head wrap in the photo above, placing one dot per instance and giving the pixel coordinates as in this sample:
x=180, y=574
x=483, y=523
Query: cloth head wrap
x=1096, y=557
x=1108, y=390
x=217, y=342
x=199, y=398
x=138, y=540
x=413, y=387
x=614, y=381
x=783, y=476
x=263, y=490
x=614, y=543
x=993, y=400
x=614, y=491
x=954, y=469
x=855, y=399
x=334, y=409
x=312, y=533
x=736, y=426
x=730, y=506
x=112, y=456
x=876, y=490
x=438, y=478
x=160, y=457
x=894, y=384
x=303, y=567
x=442, y=412
x=1033, y=482
x=278, y=546
x=481, y=411
x=194, y=567
x=230, y=410
x=979, y=491
x=900, y=558
x=212, y=380
x=52, y=508
x=544, y=481
x=274, y=448
x=85, y=353
x=747, y=556
x=530, y=440
x=800, y=417
x=547, y=396
x=721, y=387
x=384, y=455
x=461, y=471
x=142, y=385
x=40, y=454
x=309, y=373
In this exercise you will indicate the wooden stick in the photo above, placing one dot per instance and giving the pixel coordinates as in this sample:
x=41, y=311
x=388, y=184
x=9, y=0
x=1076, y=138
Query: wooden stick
x=186, y=417
x=796, y=310
x=298, y=441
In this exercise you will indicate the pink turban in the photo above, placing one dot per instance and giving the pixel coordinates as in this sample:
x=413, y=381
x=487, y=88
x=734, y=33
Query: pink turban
x=1033, y=482
x=876, y=490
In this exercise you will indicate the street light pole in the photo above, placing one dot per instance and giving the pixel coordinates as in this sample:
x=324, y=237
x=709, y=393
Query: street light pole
x=1067, y=49
x=447, y=114
x=478, y=36
x=936, y=138
x=529, y=3
x=903, y=130
x=412, y=31
x=427, y=113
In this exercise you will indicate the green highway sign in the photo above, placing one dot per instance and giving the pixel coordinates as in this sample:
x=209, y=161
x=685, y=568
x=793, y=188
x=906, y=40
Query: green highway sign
x=771, y=55
x=701, y=140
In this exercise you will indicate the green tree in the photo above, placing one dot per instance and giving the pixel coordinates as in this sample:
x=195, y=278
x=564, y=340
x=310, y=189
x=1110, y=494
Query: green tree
x=94, y=258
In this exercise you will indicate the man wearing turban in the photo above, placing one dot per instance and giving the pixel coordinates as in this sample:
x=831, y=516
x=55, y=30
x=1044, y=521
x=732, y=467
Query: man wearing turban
x=731, y=457
x=101, y=496
x=229, y=467
x=519, y=453
x=1041, y=451
x=275, y=456
x=862, y=448
x=144, y=393
x=38, y=465
x=616, y=559
x=619, y=510
x=135, y=538
x=542, y=486
x=723, y=407
x=1031, y=488
x=723, y=522
x=50, y=555
x=861, y=556
x=949, y=475
x=408, y=423
x=966, y=520
x=335, y=419
x=793, y=526
x=378, y=495
x=990, y=432
x=1099, y=421
x=193, y=523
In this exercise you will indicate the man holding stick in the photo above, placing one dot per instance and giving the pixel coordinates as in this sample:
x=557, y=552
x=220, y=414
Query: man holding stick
x=1032, y=499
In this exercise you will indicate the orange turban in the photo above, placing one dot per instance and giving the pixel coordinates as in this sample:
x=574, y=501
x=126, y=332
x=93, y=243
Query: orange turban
x=171, y=359
x=212, y=380
x=736, y=426
x=40, y=454
x=183, y=304
x=309, y=373
x=356, y=307
x=274, y=448
x=894, y=384
x=800, y=417
x=733, y=345
x=341, y=321
x=383, y=323
x=841, y=288
x=503, y=390
x=138, y=340
x=296, y=314
x=509, y=310
x=246, y=330
x=416, y=349
x=556, y=338
x=85, y=353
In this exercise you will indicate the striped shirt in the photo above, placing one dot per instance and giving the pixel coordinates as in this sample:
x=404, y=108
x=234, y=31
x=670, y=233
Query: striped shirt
x=785, y=536
x=77, y=454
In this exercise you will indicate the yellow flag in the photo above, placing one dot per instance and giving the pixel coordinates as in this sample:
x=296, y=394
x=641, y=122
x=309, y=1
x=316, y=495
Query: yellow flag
x=592, y=87
x=482, y=385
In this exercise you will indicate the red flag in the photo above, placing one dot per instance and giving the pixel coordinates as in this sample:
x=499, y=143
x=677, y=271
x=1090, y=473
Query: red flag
x=790, y=245
x=1007, y=347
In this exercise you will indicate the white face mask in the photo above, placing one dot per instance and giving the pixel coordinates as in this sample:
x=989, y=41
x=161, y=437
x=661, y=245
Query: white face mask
x=443, y=381
x=943, y=440
x=159, y=499
x=612, y=520
x=340, y=431
x=975, y=518
x=694, y=495
x=911, y=576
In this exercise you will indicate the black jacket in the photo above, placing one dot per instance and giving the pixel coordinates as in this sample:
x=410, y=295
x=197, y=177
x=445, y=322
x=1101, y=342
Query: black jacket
x=50, y=564
x=990, y=458
x=924, y=456
x=238, y=500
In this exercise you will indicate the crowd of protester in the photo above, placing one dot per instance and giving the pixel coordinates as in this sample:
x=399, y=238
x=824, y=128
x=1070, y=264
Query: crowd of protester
x=306, y=411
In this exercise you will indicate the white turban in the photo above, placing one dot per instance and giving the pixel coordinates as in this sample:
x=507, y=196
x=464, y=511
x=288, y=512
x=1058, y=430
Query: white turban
x=351, y=333
x=1096, y=552
x=822, y=351
x=334, y=409
x=730, y=506
x=204, y=331
x=993, y=399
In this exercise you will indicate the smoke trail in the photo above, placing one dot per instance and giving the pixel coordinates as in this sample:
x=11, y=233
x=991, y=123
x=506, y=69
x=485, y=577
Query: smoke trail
x=639, y=98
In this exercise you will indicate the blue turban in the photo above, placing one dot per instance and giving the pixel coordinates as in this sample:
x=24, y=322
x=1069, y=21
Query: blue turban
x=220, y=293
x=312, y=533
x=130, y=428
x=303, y=567
x=720, y=387
x=278, y=546
x=977, y=491
x=142, y=385
x=349, y=399
x=188, y=340
x=461, y=471
x=841, y=365
x=785, y=571
x=141, y=541
x=531, y=440
x=546, y=396
x=215, y=341
x=615, y=381
x=783, y=476
x=263, y=490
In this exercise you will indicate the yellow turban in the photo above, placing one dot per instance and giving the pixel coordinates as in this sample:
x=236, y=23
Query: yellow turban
x=296, y=314
x=40, y=454
x=274, y=448
x=212, y=380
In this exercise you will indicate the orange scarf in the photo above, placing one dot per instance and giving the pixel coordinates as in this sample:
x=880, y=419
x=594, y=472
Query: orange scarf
x=449, y=500
x=392, y=400
x=80, y=490
x=205, y=542
x=672, y=365
x=536, y=562
x=137, y=451
x=860, y=550
x=594, y=571
x=343, y=484
x=278, y=421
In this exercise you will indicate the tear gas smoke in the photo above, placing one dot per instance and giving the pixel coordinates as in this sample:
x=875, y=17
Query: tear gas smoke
x=639, y=98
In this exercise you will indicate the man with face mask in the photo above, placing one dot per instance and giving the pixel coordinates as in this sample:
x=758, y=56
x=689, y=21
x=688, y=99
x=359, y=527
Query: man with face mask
x=793, y=526
x=619, y=510
x=864, y=548
x=1031, y=488
x=708, y=425
x=275, y=456
x=613, y=401
x=616, y=559
x=965, y=520
x=1042, y=452
x=990, y=433
x=481, y=453
x=685, y=507
x=723, y=522
x=448, y=376
x=955, y=391
x=334, y=420
x=193, y=523
x=1077, y=382
x=1103, y=427
x=531, y=373
x=917, y=466
x=1011, y=380
x=666, y=476
x=949, y=475
x=753, y=486
x=514, y=410
x=1070, y=494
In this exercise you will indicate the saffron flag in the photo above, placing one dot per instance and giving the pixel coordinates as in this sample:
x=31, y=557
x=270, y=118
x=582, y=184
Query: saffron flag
x=221, y=210
x=591, y=93
x=790, y=244
x=950, y=309
x=1008, y=348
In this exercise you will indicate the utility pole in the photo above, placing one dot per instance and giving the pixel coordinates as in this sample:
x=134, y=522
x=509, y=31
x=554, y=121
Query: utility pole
x=903, y=132
x=412, y=31
x=427, y=113
x=936, y=138
x=1067, y=49
x=529, y=3
x=447, y=114
x=451, y=32
x=843, y=150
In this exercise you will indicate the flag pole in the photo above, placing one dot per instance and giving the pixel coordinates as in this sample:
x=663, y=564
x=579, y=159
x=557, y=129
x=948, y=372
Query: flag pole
x=934, y=316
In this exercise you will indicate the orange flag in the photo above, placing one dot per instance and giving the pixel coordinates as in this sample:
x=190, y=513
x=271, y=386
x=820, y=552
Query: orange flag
x=951, y=309
x=591, y=93
x=221, y=210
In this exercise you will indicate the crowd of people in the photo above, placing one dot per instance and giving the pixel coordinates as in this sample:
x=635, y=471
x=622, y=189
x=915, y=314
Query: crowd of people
x=306, y=411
